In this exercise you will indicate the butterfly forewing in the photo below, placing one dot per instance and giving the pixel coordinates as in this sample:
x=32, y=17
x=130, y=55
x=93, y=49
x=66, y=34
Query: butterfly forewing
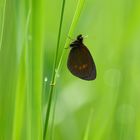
x=81, y=64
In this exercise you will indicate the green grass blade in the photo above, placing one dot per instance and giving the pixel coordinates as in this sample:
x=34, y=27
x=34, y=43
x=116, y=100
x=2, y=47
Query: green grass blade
x=37, y=68
x=53, y=74
x=87, y=131
x=2, y=26
x=28, y=75
x=19, y=101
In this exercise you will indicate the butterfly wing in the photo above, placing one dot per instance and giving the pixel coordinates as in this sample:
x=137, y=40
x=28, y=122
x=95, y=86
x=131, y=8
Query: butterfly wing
x=81, y=64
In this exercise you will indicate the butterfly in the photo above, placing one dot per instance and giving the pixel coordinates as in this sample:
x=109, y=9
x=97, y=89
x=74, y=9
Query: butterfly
x=80, y=62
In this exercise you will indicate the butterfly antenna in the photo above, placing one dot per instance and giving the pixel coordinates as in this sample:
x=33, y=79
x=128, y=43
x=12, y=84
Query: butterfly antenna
x=86, y=36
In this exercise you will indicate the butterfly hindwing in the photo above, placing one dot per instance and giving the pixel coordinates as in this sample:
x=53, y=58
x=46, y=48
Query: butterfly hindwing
x=81, y=64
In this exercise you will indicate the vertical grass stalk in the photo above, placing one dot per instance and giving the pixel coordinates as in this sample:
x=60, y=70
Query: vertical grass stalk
x=86, y=135
x=28, y=73
x=36, y=51
x=53, y=73
x=2, y=26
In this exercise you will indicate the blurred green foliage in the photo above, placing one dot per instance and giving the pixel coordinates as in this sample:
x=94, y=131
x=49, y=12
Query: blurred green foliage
x=104, y=109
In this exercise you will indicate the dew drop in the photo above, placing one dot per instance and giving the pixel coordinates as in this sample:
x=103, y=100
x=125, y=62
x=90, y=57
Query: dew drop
x=45, y=79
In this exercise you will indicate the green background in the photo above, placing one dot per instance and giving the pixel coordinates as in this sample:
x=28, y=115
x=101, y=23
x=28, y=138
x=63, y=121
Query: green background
x=104, y=109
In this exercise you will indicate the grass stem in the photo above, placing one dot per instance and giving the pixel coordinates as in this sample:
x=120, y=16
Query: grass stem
x=54, y=73
x=2, y=28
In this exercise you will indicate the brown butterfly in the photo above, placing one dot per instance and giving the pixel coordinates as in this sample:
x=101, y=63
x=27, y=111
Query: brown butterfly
x=80, y=62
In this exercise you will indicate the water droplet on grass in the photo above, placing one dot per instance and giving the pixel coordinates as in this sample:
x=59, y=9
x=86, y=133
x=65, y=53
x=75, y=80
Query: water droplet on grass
x=45, y=79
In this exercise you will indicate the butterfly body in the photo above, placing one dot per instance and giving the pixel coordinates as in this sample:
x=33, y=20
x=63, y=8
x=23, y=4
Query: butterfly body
x=80, y=62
